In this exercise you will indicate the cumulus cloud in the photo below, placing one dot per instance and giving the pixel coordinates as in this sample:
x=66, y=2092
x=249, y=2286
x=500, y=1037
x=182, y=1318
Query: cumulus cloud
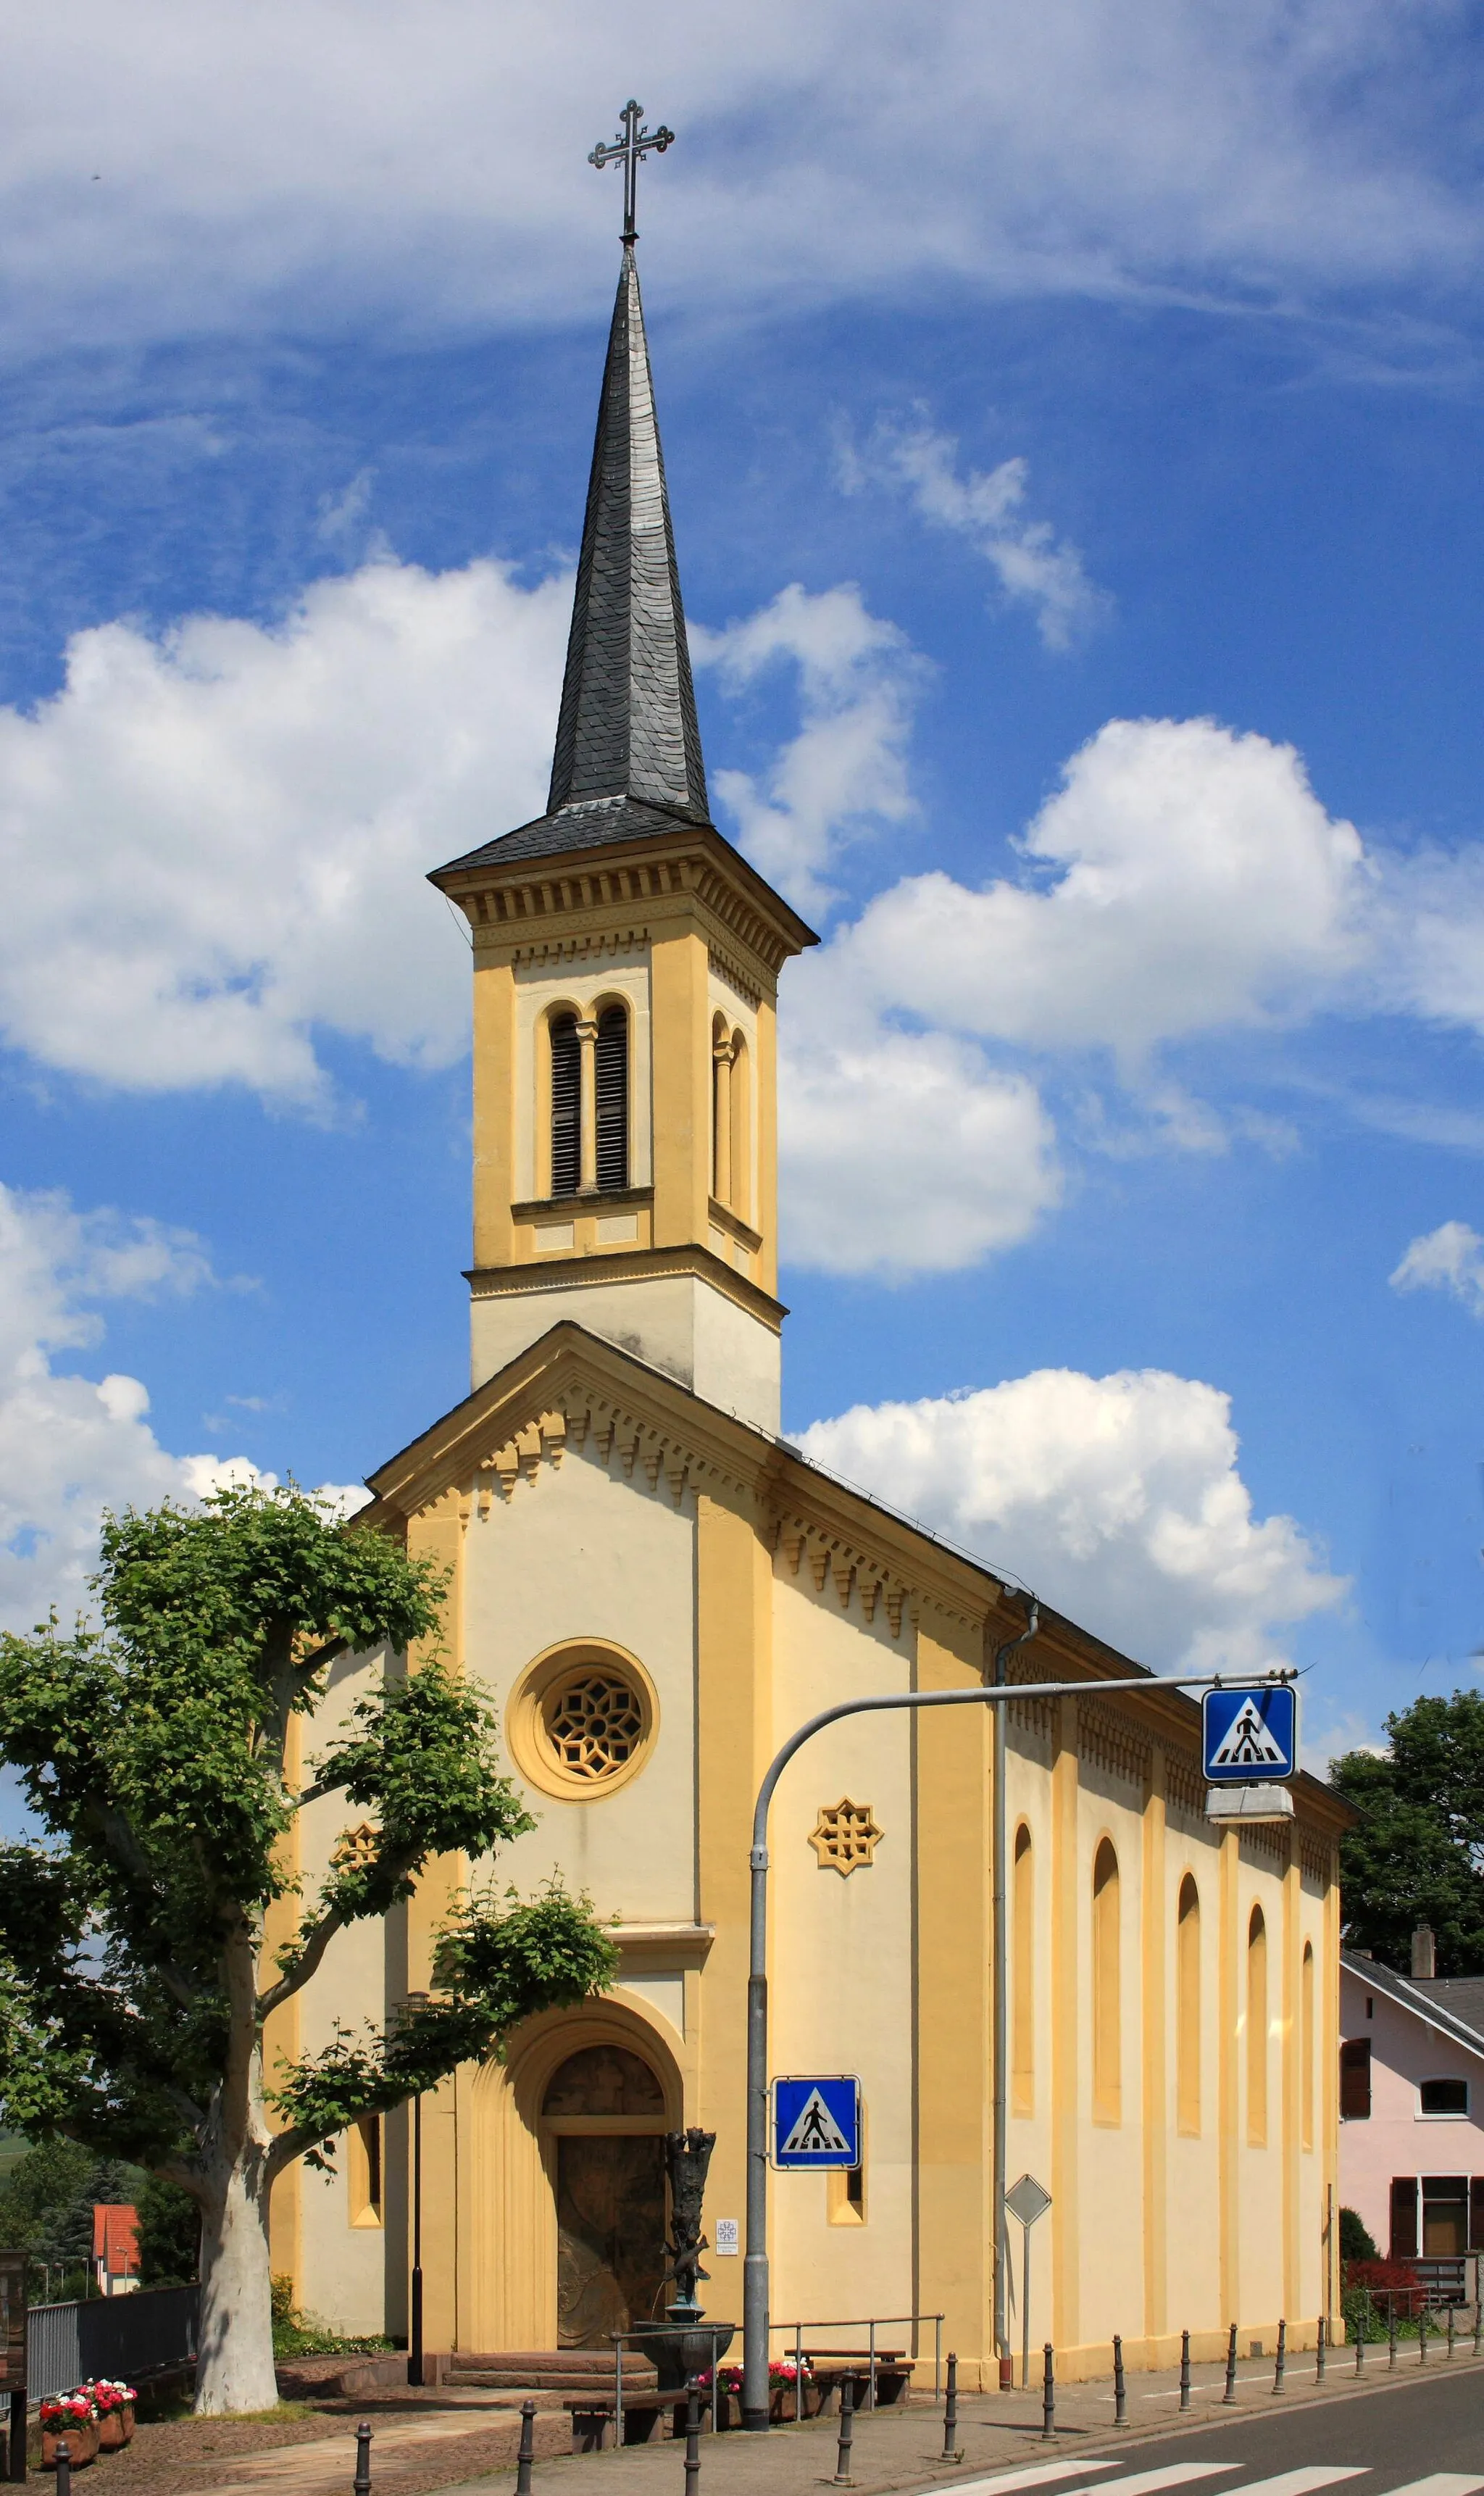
x=1031, y=565
x=1449, y=1259
x=213, y=842
x=1182, y=878
x=846, y=770
x=1119, y=1499
x=71, y=1446
x=281, y=163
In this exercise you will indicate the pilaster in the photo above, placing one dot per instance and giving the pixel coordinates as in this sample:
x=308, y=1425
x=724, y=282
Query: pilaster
x=1156, y=2048
x=1228, y=1973
x=1066, y=2030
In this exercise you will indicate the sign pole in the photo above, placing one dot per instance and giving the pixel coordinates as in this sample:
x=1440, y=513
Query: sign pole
x=755, y=2268
x=1024, y=2306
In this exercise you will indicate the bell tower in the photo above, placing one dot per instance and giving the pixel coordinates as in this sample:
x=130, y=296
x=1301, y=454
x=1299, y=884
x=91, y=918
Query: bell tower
x=625, y=963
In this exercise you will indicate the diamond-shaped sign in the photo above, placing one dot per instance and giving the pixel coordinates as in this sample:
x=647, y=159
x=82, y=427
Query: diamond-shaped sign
x=1027, y=2201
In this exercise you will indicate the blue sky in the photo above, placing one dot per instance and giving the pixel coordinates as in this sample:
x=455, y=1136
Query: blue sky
x=1073, y=438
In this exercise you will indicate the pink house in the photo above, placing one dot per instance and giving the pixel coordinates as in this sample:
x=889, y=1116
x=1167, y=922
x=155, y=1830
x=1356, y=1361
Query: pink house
x=1411, y=2111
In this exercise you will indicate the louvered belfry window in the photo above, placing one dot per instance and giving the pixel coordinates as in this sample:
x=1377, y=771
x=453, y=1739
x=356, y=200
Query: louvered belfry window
x=566, y=1106
x=613, y=1099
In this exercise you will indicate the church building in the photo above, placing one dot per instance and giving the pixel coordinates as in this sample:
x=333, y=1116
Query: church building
x=654, y=1589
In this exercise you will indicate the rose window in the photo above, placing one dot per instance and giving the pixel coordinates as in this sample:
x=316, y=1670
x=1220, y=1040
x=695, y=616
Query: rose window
x=594, y=1722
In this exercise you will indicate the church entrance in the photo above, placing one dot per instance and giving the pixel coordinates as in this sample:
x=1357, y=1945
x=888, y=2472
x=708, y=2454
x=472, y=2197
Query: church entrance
x=605, y=2110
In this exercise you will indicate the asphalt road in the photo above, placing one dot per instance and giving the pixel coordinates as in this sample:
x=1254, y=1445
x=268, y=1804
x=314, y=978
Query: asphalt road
x=1424, y=2438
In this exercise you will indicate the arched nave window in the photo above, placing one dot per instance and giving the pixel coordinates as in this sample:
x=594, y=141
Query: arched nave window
x=566, y=1105
x=1306, y=2066
x=1107, y=2051
x=1258, y=2030
x=613, y=1099
x=1023, y=1987
x=1188, y=2008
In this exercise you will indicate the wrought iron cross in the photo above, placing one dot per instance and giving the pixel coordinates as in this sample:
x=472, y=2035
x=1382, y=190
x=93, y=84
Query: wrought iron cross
x=627, y=149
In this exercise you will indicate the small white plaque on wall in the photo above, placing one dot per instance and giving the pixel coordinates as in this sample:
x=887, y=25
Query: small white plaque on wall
x=728, y=2235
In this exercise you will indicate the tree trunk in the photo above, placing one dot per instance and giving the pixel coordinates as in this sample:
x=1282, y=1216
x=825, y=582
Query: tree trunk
x=235, y=2367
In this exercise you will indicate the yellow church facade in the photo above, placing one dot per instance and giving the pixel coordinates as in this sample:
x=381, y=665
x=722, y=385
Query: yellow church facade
x=654, y=1590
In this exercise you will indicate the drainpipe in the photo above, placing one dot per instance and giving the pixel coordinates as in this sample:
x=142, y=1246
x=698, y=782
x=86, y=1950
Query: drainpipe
x=998, y=1675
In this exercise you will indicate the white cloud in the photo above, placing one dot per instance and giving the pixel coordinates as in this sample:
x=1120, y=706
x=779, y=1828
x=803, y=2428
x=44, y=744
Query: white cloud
x=212, y=842
x=1031, y=563
x=1196, y=883
x=903, y=1153
x=1449, y=1259
x=70, y=1446
x=425, y=167
x=846, y=770
x=1119, y=1499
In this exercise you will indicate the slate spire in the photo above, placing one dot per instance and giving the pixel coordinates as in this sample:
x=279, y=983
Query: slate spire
x=627, y=728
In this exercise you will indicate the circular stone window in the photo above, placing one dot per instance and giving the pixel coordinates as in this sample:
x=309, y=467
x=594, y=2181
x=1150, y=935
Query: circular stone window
x=582, y=1721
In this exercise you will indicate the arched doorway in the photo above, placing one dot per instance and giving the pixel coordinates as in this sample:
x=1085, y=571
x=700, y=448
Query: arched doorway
x=604, y=2110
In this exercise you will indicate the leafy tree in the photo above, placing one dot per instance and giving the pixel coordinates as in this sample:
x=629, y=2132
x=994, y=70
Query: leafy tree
x=169, y=2234
x=1356, y=2242
x=1417, y=1854
x=47, y=2205
x=135, y=1974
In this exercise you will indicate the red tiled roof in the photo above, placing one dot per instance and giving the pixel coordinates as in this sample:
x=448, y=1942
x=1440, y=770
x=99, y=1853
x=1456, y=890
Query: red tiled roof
x=115, y=2237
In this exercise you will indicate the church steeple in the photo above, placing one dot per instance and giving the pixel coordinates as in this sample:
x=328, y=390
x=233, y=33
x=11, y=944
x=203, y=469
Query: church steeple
x=626, y=974
x=628, y=728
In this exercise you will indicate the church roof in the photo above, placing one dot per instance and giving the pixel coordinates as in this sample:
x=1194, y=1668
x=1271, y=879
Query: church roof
x=628, y=759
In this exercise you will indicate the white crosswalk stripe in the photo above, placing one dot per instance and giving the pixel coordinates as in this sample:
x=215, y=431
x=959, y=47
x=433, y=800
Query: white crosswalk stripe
x=1175, y=2474
x=1299, y=2482
x=1442, y=2483
x=1140, y=2482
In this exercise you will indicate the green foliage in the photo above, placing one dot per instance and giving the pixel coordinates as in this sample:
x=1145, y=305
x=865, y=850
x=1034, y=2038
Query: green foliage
x=303, y=2335
x=1417, y=1854
x=152, y=1752
x=1356, y=2242
x=47, y=2207
x=169, y=2234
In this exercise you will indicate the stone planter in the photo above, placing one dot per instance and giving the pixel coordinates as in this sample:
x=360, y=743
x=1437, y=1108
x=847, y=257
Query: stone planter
x=81, y=2444
x=116, y=2428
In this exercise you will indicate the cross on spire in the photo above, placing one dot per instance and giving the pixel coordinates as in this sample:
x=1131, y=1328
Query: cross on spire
x=627, y=149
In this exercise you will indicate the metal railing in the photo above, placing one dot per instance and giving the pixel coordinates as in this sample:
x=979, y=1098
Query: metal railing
x=869, y=2324
x=149, y=2333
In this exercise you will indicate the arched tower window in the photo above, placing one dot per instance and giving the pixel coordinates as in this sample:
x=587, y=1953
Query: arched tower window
x=1307, y=2042
x=1107, y=2037
x=566, y=1105
x=741, y=1129
x=1023, y=1993
x=1258, y=2030
x=613, y=1082
x=720, y=1110
x=1188, y=2009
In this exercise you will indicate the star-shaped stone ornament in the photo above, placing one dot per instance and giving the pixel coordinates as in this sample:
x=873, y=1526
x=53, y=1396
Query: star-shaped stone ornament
x=844, y=1837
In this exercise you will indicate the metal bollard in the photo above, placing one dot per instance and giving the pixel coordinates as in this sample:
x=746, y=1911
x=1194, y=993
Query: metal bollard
x=843, y=2477
x=1184, y=2370
x=1282, y=2354
x=1228, y=2398
x=1452, y=2330
x=1422, y=2335
x=1391, y=2331
x=693, y=2439
x=1048, y=2396
x=1319, y=2353
x=1360, y=2344
x=64, y=2468
x=1120, y=2388
x=950, y=2445
x=526, y=2452
x=361, y=2483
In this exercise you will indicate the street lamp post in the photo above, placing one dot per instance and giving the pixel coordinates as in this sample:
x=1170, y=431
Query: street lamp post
x=415, y=2317
x=754, y=2269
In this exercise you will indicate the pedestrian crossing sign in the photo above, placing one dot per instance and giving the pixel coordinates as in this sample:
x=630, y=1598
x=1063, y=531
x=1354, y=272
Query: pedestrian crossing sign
x=816, y=2122
x=1249, y=1733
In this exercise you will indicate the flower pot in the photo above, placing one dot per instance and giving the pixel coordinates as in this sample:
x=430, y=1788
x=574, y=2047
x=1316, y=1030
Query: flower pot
x=116, y=2428
x=81, y=2444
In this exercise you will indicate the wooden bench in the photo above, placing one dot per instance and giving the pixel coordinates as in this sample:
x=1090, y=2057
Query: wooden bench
x=648, y=2419
x=893, y=2376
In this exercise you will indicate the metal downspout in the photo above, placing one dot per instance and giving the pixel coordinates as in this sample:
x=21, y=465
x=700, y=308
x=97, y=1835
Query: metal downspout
x=998, y=1832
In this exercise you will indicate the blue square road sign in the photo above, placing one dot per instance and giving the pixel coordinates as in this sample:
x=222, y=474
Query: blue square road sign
x=816, y=2122
x=1249, y=1733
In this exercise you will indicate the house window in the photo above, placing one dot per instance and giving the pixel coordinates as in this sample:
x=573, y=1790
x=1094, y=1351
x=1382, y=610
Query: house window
x=366, y=2172
x=613, y=1099
x=1476, y=2214
x=846, y=2199
x=1444, y=2216
x=1443, y=2097
x=566, y=1106
x=1023, y=1993
x=1258, y=2031
x=1404, y=2218
x=1107, y=2045
x=1355, y=2080
x=1188, y=2008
